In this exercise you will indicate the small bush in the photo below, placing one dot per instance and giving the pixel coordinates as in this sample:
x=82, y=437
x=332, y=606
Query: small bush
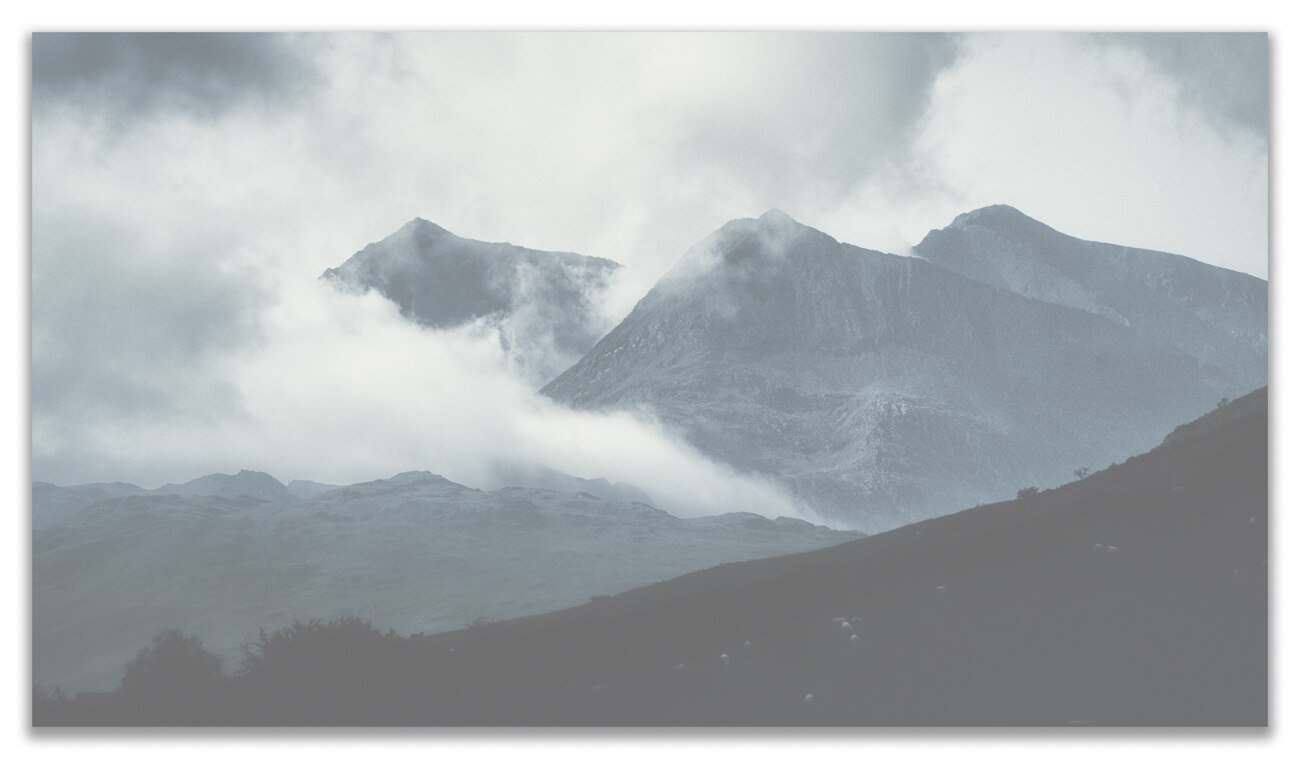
x=1026, y=492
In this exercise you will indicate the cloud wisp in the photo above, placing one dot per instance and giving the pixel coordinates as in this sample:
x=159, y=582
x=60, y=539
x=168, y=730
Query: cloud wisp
x=188, y=190
x=341, y=388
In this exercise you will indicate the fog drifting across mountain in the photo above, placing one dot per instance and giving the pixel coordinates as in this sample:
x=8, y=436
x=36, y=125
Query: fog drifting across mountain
x=883, y=389
x=547, y=308
x=342, y=388
x=161, y=232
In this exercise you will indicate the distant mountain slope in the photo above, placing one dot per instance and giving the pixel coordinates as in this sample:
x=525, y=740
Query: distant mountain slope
x=544, y=478
x=52, y=504
x=309, y=488
x=245, y=484
x=547, y=305
x=416, y=552
x=1137, y=596
x=882, y=389
x=58, y=503
x=1217, y=315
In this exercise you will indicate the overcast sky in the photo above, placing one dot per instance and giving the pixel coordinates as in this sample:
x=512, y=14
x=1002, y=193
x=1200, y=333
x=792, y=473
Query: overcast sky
x=188, y=190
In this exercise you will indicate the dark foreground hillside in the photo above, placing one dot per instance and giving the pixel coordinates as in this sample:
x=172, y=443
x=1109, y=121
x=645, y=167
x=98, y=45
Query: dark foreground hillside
x=1137, y=596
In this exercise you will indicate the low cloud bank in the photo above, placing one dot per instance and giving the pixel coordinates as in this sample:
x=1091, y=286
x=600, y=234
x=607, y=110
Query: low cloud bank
x=342, y=389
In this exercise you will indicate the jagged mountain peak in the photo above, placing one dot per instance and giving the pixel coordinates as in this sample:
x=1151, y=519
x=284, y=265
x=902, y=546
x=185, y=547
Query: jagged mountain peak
x=747, y=248
x=547, y=307
x=1217, y=315
x=776, y=216
x=421, y=225
x=881, y=389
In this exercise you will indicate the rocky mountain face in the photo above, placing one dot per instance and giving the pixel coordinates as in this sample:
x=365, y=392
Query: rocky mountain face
x=415, y=552
x=884, y=389
x=1216, y=315
x=546, y=306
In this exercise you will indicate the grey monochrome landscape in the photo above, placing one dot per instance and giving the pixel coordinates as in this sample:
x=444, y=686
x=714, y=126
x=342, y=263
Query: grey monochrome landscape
x=814, y=384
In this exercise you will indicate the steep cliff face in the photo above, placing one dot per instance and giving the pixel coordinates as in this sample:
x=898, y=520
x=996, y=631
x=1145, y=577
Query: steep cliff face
x=545, y=305
x=1217, y=315
x=882, y=389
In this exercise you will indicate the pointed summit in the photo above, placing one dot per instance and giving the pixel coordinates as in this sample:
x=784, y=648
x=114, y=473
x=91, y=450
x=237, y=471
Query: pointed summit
x=752, y=250
x=421, y=225
x=550, y=303
x=994, y=214
x=883, y=389
x=776, y=216
x=1217, y=315
x=774, y=220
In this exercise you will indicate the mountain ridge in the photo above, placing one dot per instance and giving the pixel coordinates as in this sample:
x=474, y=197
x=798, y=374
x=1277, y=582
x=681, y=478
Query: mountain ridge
x=414, y=551
x=1215, y=314
x=883, y=388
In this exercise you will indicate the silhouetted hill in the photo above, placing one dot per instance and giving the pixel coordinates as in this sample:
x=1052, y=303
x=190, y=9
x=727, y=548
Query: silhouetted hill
x=1137, y=596
x=884, y=389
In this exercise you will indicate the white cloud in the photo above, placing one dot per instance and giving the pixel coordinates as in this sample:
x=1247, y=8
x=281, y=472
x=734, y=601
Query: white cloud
x=177, y=330
x=1097, y=142
x=342, y=389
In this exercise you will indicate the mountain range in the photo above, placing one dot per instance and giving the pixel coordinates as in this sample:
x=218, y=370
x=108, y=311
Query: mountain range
x=880, y=390
x=883, y=389
x=226, y=555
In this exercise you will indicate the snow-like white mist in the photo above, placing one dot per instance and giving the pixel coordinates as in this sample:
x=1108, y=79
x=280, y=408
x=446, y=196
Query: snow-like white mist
x=342, y=389
x=184, y=204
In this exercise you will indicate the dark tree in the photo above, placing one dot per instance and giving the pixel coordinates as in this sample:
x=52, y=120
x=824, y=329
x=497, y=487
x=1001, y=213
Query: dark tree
x=174, y=677
x=315, y=653
x=1026, y=492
